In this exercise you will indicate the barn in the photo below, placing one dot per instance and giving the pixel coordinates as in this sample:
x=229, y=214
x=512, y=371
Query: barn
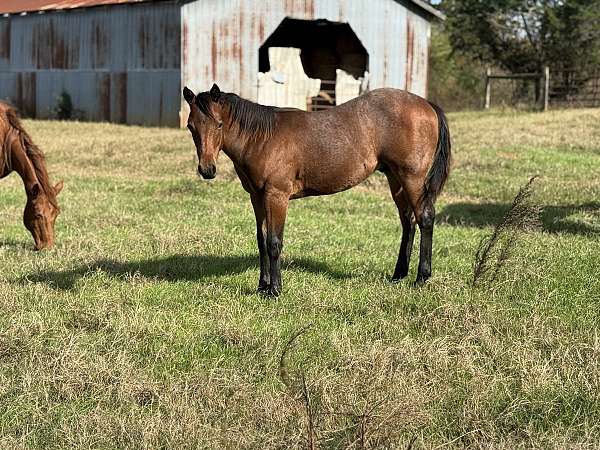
x=126, y=61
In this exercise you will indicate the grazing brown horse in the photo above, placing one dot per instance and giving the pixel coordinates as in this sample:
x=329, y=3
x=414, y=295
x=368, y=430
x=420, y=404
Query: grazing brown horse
x=18, y=153
x=281, y=155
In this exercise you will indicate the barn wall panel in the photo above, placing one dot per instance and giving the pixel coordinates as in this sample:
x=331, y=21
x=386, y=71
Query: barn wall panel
x=102, y=57
x=221, y=39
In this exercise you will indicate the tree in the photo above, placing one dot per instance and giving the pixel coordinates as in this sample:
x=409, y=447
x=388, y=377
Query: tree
x=526, y=35
x=454, y=80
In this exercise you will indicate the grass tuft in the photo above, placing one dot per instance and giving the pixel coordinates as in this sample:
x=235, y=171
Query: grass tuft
x=495, y=251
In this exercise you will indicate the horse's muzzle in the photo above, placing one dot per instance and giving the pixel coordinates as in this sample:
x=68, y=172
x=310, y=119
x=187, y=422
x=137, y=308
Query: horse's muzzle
x=208, y=173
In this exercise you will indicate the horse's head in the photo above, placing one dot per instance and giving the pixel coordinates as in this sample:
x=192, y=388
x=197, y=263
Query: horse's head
x=40, y=215
x=205, y=122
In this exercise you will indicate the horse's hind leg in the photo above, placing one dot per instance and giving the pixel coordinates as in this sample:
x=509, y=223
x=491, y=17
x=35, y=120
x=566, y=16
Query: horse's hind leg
x=408, y=228
x=424, y=212
x=425, y=220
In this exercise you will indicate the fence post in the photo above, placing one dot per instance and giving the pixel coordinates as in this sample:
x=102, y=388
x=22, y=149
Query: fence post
x=546, y=87
x=488, y=88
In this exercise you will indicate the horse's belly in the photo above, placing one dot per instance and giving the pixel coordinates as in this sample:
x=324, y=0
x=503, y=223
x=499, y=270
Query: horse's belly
x=325, y=179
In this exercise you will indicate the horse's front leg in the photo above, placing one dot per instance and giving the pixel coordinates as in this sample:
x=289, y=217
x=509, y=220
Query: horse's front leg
x=261, y=239
x=276, y=204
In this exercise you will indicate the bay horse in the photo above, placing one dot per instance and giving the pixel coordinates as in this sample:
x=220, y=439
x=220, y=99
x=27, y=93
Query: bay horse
x=281, y=154
x=18, y=153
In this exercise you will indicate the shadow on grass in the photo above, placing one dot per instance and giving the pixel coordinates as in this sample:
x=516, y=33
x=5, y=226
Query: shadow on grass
x=555, y=219
x=174, y=268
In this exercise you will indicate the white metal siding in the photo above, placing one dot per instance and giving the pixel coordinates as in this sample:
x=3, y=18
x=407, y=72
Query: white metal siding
x=221, y=39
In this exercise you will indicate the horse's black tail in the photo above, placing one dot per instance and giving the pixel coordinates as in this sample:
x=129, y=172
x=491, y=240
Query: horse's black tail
x=440, y=169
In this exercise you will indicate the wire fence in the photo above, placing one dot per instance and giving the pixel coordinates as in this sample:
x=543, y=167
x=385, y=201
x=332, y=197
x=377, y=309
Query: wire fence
x=551, y=88
x=575, y=89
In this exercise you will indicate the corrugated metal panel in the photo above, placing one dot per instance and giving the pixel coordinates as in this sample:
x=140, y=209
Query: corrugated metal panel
x=118, y=64
x=153, y=97
x=20, y=90
x=116, y=38
x=4, y=43
x=18, y=6
x=419, y=32
x=221, y=39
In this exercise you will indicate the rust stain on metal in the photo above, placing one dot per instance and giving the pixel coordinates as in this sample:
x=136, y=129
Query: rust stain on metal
x=122, y=90
x=104, y=97
x=142, y=42
x=27, y=93
x=288, y=5
x=185, y=44
x=19, y=94
x=5, y=39
x=118, y=100
x=213, y=51
x=240, y=47
x=226, y=47
x=101, y=45
x=410, y=40
x=160, y=107
x=261, y=30
x=304, y=8
x=309, y=8
x=58, y=48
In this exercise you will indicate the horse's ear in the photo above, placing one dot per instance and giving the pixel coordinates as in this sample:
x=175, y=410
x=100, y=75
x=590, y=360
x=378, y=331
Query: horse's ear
x=215, y=93
x=59, y=187
x=35, y=190
x=188, y=95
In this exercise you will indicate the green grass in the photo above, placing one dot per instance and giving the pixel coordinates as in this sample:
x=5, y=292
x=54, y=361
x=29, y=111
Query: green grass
x=142, y=329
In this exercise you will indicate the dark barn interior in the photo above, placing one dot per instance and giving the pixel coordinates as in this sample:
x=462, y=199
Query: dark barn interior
x=324, y=47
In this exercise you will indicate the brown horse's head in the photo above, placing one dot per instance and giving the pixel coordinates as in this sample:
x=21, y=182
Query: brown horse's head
x=40, y=214
x=205, y=122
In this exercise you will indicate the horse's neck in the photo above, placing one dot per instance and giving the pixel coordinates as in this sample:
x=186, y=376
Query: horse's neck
x=234, y=145
x=6, y=154
x=20, y=163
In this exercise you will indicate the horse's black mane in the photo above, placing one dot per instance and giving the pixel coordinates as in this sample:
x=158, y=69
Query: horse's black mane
x=251, y=118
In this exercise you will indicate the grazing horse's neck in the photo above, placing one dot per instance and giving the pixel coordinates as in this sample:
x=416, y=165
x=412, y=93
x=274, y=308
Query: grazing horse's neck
x=20, y=162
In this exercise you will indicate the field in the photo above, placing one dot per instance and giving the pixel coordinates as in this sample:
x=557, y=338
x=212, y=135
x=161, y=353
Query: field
x=141, y=329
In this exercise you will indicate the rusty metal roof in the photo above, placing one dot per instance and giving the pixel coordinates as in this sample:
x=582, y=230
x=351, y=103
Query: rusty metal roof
x=21, y=6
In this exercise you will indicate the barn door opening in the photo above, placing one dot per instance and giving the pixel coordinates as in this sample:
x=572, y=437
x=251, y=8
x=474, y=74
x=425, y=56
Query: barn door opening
x=329, y=52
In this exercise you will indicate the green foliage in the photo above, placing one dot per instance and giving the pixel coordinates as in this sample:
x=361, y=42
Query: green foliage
x=64, y=106
x=455, y=81
x=525, y=35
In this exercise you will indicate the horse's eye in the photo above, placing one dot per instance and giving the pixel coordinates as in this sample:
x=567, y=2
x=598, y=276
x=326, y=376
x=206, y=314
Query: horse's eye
x=220, y=125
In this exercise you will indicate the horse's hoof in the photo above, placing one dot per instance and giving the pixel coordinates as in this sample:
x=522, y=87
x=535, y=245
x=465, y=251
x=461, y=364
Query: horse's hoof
x=397, y=278
x=271, y=291
x=419, y=282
